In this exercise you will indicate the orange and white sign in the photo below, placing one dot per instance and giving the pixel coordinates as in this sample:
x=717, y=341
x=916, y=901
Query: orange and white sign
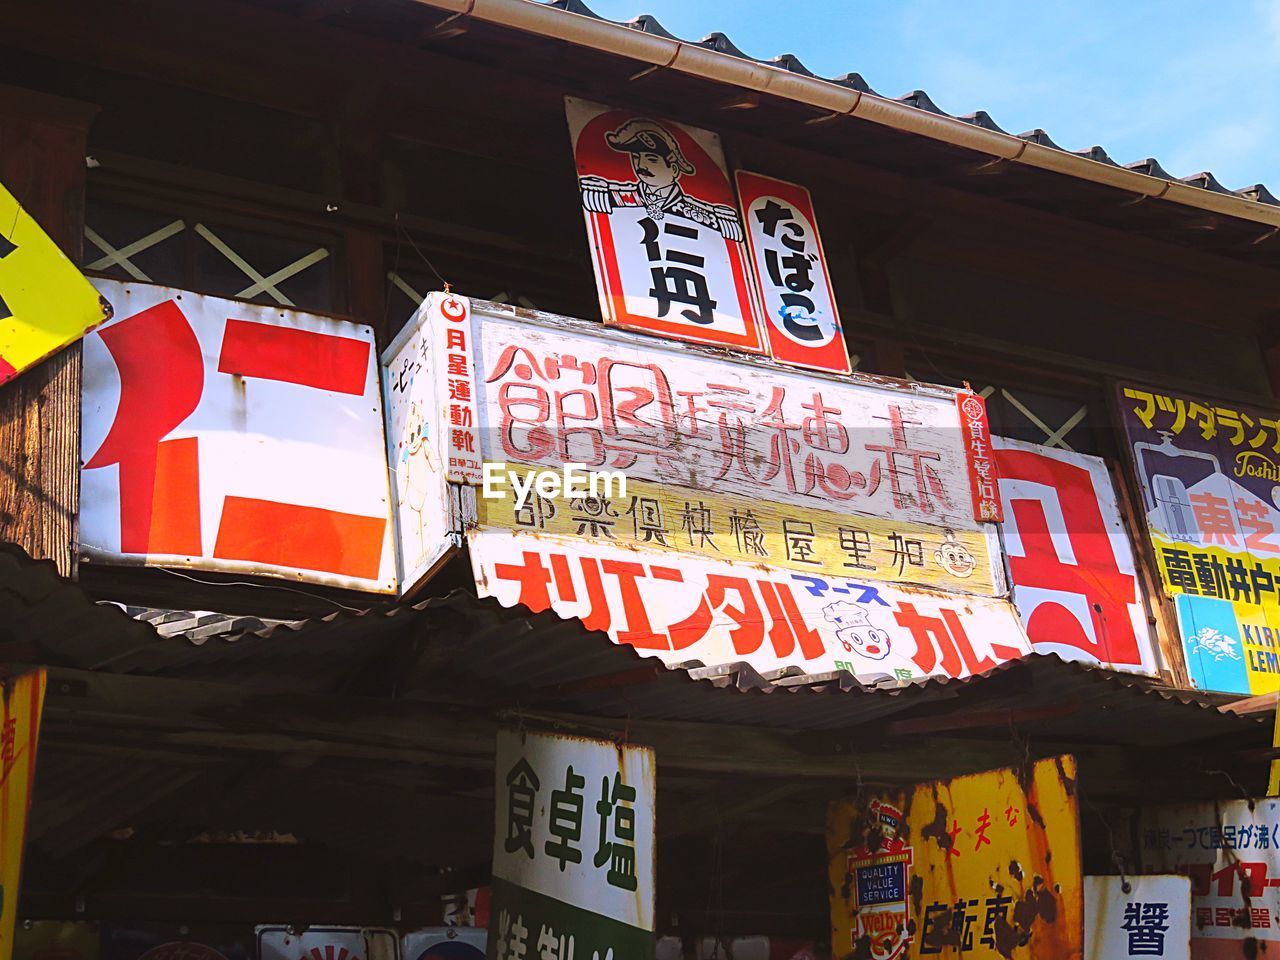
x=683, y=608
x=20, y=710
x=230, y=436
x=791, y=274
x=664, y=227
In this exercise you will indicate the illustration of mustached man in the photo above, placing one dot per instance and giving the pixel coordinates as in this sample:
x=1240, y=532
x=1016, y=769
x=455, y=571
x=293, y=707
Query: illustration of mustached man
x=658, y=163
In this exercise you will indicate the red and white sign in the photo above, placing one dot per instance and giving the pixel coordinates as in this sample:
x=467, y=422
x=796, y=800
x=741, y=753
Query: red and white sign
x=685, y=608
x=982, y=468
x=664, y=227
x=791, y=274
x=230, y=436
x=1074, y=581
x=449, y=321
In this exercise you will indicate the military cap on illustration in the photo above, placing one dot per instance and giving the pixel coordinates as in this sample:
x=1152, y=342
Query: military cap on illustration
x=645, y=136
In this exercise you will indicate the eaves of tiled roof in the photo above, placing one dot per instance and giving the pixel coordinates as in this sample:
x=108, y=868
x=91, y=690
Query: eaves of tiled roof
x=715, y=57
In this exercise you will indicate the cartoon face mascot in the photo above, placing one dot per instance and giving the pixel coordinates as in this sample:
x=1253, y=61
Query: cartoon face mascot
x=856, y=633
x=954, y=557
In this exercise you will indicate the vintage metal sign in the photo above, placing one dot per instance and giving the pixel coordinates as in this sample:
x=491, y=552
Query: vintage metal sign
x=327, y=943
x=1209, y=476
x=229, y=436
x=554, y=391
x=1070, y=560
x=45, y=303
x=684, y=609
x=1137, y=917
x=674, y=520
x=799, y=305
x=983, y=866
x=664, y=227
x=1231, y=852
x=982, y=468
x=573, y=849
x=20, y=711
x=432, y=434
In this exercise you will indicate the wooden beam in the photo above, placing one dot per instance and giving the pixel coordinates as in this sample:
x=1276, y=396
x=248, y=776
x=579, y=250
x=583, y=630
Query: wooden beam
x=42, y=164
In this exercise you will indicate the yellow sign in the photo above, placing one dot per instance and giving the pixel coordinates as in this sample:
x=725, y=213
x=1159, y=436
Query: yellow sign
x=45, y=303
x=19, y=733
x=654, y=516
x=1228, y=605
x=985, y=866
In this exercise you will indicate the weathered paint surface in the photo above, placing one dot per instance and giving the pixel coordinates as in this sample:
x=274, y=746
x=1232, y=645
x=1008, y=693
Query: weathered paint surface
x=20, y=709
x=664, y=227
x=573, y=848
x=1146, y=916
x=1208, y=472
x=1072, y=566
x=1231, y=852
x=230, y=436
x=991, y=868
x=420, y=399
x=45, y=303
x=573, y=392
x=714, y=611
x=716, y=526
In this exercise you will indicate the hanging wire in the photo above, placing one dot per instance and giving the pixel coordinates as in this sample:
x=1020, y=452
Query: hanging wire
x=422, y=256
x=1116, y=858
x=260, y=586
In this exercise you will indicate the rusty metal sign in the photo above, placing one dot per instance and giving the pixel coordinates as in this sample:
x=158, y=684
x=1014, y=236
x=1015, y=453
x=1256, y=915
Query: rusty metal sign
x=573, y=849
x=1231, y=852
x=982, y=866
x=1137, y=917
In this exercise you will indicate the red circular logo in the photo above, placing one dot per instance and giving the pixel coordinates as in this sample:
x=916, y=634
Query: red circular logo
x=453, y=309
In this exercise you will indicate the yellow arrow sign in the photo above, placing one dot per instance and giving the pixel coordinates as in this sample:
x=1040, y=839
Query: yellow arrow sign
x=45, y=303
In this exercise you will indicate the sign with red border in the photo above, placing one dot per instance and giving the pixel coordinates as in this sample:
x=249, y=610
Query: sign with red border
x=665, y=229
x=983, y=479
x=791, y=274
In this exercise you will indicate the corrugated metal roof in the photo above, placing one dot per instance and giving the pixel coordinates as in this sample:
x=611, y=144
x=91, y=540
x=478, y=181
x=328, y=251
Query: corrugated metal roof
x=462, y=649
x=465, y=650
x=920, y=100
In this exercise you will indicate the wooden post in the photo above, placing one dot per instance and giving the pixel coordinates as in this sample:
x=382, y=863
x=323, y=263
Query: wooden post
x=42, y=163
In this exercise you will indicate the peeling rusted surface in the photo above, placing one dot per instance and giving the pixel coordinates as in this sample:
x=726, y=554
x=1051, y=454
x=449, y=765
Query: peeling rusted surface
x=994, y=871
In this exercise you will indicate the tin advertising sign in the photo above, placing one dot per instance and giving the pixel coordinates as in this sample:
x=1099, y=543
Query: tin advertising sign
x=794, y=283
x=1210, y=479
x=573, y=849
x=45, y=303
x=1072, y=566
x=1231, y=852
x=20, y=712
x=231, y=436
x=984, y=866
x=664, y=227
x=1147, y=916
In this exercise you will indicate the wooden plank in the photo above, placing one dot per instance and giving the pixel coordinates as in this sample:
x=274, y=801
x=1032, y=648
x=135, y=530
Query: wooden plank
x=42, y=164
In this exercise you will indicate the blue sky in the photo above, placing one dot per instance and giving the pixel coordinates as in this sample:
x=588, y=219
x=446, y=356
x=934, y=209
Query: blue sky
x=1195, y=85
